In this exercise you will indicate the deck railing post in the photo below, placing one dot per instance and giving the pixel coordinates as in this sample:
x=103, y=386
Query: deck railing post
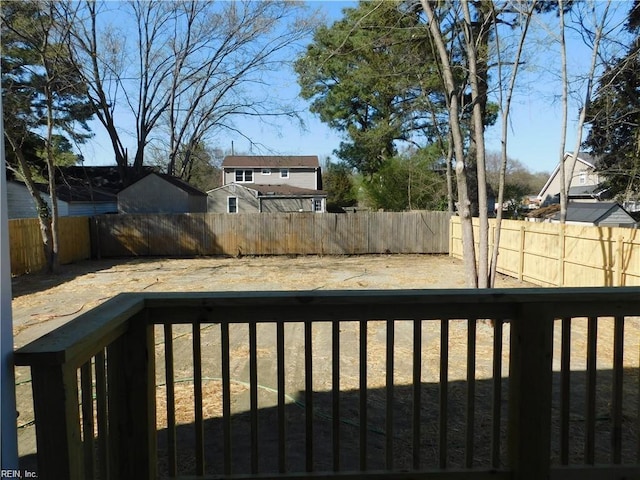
x=131, y=394
x=530, y=379
x=57, y=415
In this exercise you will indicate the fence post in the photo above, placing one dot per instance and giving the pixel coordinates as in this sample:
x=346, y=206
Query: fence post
x=561, y=254
x=57, y=416
x=131, y=398
x=619, y=262
x=521, y=254
x=530, y=378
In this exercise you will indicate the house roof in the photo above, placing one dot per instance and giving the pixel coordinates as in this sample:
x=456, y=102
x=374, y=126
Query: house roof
x=590, y=212
x=106, y=178
x=582, y=157
x=284, y=190
x=258, y=161
x=177, y=182
x=74, y=193
x=274, y=190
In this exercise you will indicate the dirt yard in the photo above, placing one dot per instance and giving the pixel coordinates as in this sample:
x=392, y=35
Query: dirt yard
x=43, y=302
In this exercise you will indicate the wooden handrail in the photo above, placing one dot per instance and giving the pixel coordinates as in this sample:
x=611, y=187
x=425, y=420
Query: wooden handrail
x=119, y=335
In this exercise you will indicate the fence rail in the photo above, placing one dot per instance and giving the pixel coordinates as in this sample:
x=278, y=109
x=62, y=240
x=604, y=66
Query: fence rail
x=551, y=254
x=386, y=384
x=271, y=234
x=25, y=243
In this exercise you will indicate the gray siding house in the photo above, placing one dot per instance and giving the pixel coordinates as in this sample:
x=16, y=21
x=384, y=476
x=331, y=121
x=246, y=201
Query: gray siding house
x=160, y=193
x=585, y=183
x=269, y=184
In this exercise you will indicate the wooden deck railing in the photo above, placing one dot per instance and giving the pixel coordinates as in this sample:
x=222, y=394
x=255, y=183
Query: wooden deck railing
x=390, y=384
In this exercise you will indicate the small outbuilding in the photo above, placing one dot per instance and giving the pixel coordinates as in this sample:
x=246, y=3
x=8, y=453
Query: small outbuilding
x=600, y=214
x=161, y=193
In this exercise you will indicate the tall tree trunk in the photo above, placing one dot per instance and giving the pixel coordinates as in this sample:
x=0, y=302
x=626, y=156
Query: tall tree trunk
x=477, y=64
x=506, y=109
x=42, y=209
x=565, y=110
x=453, y=102
x=53, y=260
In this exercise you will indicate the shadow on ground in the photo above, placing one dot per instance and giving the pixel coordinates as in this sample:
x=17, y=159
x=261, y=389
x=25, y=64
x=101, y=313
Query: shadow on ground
x=402, y=436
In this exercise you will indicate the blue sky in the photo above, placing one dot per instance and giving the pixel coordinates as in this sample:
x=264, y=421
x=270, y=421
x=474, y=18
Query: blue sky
x=534, y=136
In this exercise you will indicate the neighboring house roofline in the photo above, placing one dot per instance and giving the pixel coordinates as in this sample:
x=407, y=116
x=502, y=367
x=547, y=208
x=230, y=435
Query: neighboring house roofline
x=73, y=193
x=181, y=184
x=557, y=170
x=271, y=161
x=274, y=191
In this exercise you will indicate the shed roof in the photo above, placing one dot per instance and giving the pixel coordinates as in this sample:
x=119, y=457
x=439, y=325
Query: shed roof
x=177, y=182
x=274, y=161
x=591, y=212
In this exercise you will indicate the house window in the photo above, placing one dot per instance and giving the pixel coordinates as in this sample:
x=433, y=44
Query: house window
x=244, y=176
x=583, y=178
x=232, y=204
x=284, y=173
x=317, y=205
x=266, y=171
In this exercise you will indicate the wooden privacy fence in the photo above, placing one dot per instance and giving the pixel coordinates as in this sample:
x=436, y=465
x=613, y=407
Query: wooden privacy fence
x=271, y=234
x=25, y=243
x=551, y=254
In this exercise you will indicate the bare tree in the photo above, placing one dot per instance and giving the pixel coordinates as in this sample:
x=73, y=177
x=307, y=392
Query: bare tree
x=453, y=92
x=190, y=67
x=505, y=98
x=218, y=69
x=598, y=21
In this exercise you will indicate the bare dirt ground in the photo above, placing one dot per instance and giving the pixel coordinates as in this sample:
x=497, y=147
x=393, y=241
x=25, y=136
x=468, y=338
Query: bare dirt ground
x=43, y=302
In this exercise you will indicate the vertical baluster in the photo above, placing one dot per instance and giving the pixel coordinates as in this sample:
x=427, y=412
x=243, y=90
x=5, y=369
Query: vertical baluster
x=530, y=391
x=444, y=390
x=592, y=340
x=308, y=395
x=389, y=399
x=363, y=394
x=417, y=390
x=253, y=394
x=281, y=398
x=171, y=399
x=565, y=390
x=226, y=397
x=86, y=384
x=335, y=394
x=101, y=414
x=197, y=398
x=471, y=390
x=496, y=414
x=616, y=403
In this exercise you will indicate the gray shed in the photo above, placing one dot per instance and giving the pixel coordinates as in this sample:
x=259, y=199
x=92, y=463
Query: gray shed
x=601, y=214
x=160, y=193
